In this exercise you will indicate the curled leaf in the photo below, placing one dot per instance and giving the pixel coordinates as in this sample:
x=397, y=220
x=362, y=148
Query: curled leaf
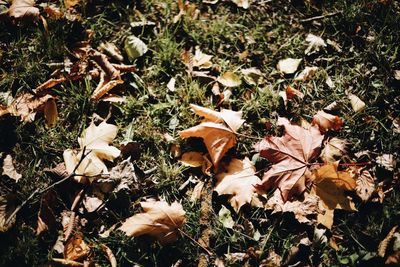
x=326, y=121
x=333, y=150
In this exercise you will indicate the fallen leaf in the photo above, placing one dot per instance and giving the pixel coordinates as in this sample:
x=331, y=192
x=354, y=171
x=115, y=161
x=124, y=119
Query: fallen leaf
x=238, y=181
x=252, y=76
x=9, y=169
x=330, y=185
x=159, y=220
x=76, y=248
x=196, y=193
x=200, y=60
x=290, y=155
x=291, y=93
x=171, y=85
x=326, y=121
x=95, y=140
x=356, y=103
x=7, y=208
x=334, y=148
x=192, y=159
x=242, y=3
x=315, y=43
x=134, y=47
x=397, y=75
x=272, y=260
x=26, y=106
x=92, y=203
x=385, y=242
x=365, y=185
x=71, y=3
x=46, y=216
x=305, y=211
x=23, y=8
x=387, y=161
x=236, y=257
x=50, y=113
x=289, y=65
x=306, y=74
x=225, y=217
x=218, y=136
x=111, y=50
x=229, y=79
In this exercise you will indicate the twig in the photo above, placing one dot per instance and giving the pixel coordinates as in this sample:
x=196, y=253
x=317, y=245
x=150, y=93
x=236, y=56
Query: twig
x=321, y=16
x=38, y=191
x=197, y=243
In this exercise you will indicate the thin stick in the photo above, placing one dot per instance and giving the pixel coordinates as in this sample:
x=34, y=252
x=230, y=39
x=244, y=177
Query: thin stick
x=110, y=255
x=197, y=243
x=38, y=191
x=321, y=16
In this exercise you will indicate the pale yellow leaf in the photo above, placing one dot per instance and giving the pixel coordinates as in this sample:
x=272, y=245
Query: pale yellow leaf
x=23, y=8
x=356, y=103
x=306, y=74
x=288, y=65
x=9, y=169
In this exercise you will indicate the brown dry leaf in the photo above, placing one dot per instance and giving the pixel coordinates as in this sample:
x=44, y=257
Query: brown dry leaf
x=326, y=121
x=291, y=93
x=71, y=3
x=365, y=185
x=303, y=210
x=159, y=220
x=192, y=159
x=229, y=79
x=290, y=156
x=217, y=136
x=26, y=106
x=23, y=8
x=272, y=260
x=334, y=148
x=9, y=169
x=76, y=248
x=330, y=185
x=239, y=182
x=385, y=242
x=50, y=113
x=46, y=216
x=96, y=140
x=7, y=208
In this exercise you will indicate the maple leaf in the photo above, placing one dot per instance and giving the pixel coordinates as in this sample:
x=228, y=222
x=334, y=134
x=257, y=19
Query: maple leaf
x=290, y=155
x=218, y=130
x=159, y=220
x=239, y=182
x=95, y=140
x=330, y=185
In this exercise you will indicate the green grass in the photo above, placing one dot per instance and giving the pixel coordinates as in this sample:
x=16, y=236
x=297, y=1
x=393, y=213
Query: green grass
x=368, y=33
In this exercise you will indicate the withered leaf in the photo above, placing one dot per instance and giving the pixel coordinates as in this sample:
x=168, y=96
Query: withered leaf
x=217, y=130
x=159, y=220
x=7, y=208
x=326, y=121
x=95, y=140
x=330, y=185
x=23, y=8
x=239, y=181
x=290, y=155
x=305, y=210
x=334, y=148
x=9, y=169
x=76, y=248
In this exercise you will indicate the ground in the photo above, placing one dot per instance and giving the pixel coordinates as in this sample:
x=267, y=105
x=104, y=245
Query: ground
x=363, y=62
